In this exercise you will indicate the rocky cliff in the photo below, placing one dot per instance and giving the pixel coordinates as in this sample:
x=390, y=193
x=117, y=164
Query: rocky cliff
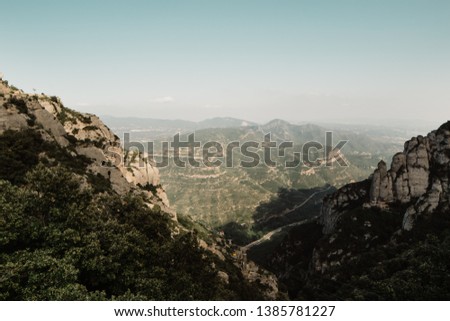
x=418, y=178
x=85, y=135
x=384, y=238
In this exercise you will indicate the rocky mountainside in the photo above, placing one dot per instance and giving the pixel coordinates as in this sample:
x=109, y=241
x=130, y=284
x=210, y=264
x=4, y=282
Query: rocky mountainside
x=386, y=237
x=82, y=219
x=418, y=177
x=85, y=135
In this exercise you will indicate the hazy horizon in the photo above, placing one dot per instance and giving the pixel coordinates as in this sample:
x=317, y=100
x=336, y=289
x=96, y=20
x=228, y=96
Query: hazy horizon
x=353, y=122
x=301, y=61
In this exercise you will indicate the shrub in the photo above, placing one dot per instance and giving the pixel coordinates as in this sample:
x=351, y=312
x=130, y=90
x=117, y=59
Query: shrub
x=19, y=103
x=90, y=127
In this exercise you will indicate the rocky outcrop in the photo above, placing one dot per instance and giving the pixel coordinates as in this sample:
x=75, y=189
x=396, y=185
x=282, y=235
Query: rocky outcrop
x=418, y=177
x=86, y=135
x=408, y=176
x=344, y=199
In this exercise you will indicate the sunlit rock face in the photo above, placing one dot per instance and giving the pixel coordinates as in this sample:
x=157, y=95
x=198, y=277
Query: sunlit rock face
x=86, y=135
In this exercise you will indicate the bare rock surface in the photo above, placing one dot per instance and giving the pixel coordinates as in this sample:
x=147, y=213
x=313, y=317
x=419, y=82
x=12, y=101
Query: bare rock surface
x=91, y=138
x=418, y=177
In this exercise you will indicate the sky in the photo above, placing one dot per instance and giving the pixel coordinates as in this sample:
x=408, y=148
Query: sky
x=301, y=60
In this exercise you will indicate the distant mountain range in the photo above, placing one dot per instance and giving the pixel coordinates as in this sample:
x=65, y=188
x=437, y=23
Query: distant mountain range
x=232, y=194
x=159, y=128
x=142, y=127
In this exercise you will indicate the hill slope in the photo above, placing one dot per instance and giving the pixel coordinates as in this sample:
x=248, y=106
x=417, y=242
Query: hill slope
x=78, y=222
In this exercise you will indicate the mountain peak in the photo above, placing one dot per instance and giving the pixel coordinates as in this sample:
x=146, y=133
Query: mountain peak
x=417, y=178
x=277, y=123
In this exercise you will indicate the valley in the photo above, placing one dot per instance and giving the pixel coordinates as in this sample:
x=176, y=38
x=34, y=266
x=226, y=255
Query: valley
x=367, y=230
x=232, y=194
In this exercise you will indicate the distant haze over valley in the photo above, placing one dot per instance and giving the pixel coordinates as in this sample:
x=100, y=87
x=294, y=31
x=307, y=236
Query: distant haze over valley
x=165, y=126
x=225, y=195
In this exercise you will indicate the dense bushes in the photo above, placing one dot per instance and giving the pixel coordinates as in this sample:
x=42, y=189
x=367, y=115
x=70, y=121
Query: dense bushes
x=18, y=153
x=63, y=239
x=20, y=150
x=59, y=242
x=239, y=234
x=388, y=265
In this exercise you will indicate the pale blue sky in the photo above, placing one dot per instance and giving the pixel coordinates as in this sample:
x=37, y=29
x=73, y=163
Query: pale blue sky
x=297, y=60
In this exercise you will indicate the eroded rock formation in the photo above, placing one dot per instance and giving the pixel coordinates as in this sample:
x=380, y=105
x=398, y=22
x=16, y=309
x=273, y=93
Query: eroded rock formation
x=418, y=177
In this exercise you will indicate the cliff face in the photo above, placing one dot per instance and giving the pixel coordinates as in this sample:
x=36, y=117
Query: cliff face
x=385, y=238
x=85, y=135
x=418, y=178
